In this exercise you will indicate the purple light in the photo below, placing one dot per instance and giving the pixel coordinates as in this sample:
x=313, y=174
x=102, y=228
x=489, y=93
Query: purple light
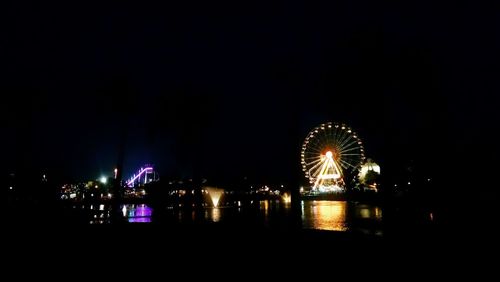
x=143, y=211
x=131, y=181
x=139, y=213
x=139, y=220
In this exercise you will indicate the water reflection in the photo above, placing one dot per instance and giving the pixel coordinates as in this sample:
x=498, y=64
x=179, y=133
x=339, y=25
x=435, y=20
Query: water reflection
x=213, y=215
x=139, y=219
x=324, y=215
x=137, y=213
x=216, y=215
x=368, y=212
x=264, y=207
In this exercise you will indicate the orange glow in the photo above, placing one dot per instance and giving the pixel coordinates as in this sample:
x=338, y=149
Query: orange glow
x=329, y=154
x=287, y=198
x=328, y=215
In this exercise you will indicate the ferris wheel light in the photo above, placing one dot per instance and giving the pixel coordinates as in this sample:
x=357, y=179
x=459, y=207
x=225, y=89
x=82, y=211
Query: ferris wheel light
x=325, y=170
x=329, y=154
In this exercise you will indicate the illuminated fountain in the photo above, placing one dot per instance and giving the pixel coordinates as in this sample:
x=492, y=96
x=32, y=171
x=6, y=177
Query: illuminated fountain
x=287, y=198
x=215, y=195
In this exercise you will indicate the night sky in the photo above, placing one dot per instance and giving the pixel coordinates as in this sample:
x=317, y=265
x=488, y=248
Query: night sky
x=231, y=89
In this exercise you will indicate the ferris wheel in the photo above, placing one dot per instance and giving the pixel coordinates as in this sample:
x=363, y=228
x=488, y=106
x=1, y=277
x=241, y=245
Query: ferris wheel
x=331, y=155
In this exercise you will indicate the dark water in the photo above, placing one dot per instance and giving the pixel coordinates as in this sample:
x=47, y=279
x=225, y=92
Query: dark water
x=339, y=216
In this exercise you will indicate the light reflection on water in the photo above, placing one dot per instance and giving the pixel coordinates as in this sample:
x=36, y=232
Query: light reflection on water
x=211, y=214
x=139, y=219
x=322, y=215
x=137, y=213
x=216, y=214
x=368, y=212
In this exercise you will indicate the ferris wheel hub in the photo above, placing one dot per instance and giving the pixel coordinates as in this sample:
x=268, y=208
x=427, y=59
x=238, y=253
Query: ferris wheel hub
x=329, y=154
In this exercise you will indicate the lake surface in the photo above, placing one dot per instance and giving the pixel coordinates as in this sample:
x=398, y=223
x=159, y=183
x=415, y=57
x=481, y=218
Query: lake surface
x=339, y=216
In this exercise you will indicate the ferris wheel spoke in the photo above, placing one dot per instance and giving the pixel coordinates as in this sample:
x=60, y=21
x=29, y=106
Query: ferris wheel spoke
x=312, y=157
x=316, y=150
x=345, y=142
x=343, y=133
x=343, y=165
x=326, y=136
x=314, y=162
x=323, y=139
x=316, y=172
x=349, y=150
x=348, y=164
x=346, y=139
x=355, y=142
x=316, y=165
x=311, y=161
x=334, y=139
x=336, y=135
x=317, y=169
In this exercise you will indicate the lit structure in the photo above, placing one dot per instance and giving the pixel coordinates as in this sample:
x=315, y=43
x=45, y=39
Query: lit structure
x=331, y=154
x=215, y=195
x=144, y=176
x=369, y=180
x=287, y=198
x=370, y=165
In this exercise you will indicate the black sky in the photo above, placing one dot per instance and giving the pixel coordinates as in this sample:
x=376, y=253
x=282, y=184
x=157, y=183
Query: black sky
x=232, y=88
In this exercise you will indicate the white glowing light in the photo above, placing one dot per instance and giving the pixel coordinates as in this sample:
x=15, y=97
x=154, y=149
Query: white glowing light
x=287, y=198
x=104, y=180
x=329, y=170
x=215, y=195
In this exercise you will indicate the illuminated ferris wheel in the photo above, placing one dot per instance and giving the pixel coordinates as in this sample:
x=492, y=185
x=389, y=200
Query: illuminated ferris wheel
x=331, y=155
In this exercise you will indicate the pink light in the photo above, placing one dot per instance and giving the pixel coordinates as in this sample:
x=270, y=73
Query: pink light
x=131, y=181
